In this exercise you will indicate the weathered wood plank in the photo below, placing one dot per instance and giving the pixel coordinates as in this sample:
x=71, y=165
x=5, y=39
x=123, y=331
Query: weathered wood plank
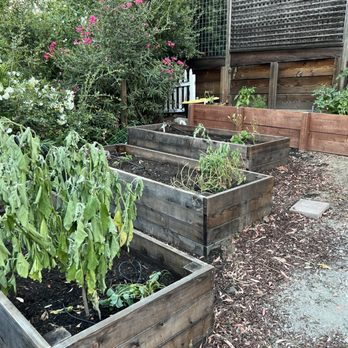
x=322, y=67
x=15, y=330
x=273, y=85
x=193, y=336
x=327, y=123
x=176, y=322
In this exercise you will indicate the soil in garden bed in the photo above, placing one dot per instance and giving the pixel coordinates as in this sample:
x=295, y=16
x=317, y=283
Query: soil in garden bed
x=160, y=171
x=36, y=301
x=179, y=131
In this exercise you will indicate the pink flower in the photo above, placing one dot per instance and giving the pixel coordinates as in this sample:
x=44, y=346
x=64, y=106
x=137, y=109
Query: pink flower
x=166, y=61
x=179, y=62
x=86, y=34
x=79, y=29
x=138, y=2
x=76, y=42
x=127, y=5
x=92, y=20
x=169, y=71
x=148, y=45
x=46, y=56
x=52, y=46
x=170, y=44
x=87, y=40
x=174, y=59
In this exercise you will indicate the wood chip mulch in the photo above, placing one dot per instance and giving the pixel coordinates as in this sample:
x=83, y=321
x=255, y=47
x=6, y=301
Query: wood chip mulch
x=251, y=269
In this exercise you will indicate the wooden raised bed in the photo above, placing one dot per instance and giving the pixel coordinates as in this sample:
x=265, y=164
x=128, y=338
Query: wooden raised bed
x=269, y=152
x=180, y=315
x=308, y=131
x=192, y=221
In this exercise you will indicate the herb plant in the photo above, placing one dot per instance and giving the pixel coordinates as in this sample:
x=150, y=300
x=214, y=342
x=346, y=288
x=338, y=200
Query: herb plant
x=218, y=170
x=124, y=295
x=331, y=100
x=243, y=138
x=201, y=132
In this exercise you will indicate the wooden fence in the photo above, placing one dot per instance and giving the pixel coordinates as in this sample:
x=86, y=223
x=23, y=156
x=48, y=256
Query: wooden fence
x=308, y=131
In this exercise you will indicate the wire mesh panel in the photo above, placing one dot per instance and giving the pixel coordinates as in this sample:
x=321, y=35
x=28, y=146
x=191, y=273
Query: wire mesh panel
x=212, y=26
x=260, y=24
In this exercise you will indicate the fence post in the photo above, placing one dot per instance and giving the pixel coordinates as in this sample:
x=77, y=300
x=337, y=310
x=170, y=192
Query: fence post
x=304, y=131
x=191, y=114
x=192, y=88
x=273, y=85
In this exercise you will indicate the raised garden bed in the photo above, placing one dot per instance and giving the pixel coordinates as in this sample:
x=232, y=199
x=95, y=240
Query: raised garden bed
x=181, y=314
x=267, y=152
x=194, y=221
x=308, y=131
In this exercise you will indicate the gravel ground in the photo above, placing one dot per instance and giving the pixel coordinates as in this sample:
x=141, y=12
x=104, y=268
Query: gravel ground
x=284, y=282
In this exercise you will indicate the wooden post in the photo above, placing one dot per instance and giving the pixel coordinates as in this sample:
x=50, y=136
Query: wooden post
x=344, y=57
x=191, y=114
x=304, y=131
x=124, y=116
x=273, y=85
x=225, y=77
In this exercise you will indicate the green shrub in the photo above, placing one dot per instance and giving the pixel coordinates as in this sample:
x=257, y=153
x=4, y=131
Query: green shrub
x=246, y=97
x=331, y=100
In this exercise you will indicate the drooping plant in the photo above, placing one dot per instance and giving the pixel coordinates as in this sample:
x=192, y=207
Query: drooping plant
x=58, y=211
x=126, y=294
x=201, y=132
x=26, y=245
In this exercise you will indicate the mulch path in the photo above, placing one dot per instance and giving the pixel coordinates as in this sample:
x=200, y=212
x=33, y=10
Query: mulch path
x=253, y=267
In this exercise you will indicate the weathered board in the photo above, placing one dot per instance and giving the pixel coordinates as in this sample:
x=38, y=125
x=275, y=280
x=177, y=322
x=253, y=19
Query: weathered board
x=179, y=314
x=270, y=152
x=309, y=131
x=189, y=220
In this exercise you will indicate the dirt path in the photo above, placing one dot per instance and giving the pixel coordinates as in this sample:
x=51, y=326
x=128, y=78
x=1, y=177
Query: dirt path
x=284, y=282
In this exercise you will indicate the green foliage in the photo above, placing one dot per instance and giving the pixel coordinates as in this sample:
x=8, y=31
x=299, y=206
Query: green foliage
x=74, y=230
x=28, y=29
x=124, y=295
x=246, y=97
x=25, y=192
x=331, y=100
x=135, y=44
x=201, y=132
x=219, y=169
x=243, y=137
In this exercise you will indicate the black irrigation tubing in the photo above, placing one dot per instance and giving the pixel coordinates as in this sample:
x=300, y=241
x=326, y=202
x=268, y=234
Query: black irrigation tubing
x=136, y=269
x=75, y=317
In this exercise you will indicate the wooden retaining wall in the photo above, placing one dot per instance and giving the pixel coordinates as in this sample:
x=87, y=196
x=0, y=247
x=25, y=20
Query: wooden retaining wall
x=286, y=78
x=307, y=130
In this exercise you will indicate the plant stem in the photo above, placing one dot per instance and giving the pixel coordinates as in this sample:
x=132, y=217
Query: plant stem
x=85, y=302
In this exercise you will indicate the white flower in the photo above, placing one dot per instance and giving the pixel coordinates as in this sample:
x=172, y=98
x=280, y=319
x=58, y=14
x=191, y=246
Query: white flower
x=9, y=90
x=6, y=96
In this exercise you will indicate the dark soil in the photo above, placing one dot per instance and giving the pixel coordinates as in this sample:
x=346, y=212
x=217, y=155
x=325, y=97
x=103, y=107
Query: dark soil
x=36, y=300
x=155, y=170
x=176, y=130
x=255, y=267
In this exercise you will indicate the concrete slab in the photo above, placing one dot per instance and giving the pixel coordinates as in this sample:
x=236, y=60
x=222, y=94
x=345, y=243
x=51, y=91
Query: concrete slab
x=309, y=208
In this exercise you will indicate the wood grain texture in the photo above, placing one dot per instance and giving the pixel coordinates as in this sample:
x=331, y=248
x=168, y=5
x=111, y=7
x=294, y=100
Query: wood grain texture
x=324, y=132
x=181, y=312
x=271, y=148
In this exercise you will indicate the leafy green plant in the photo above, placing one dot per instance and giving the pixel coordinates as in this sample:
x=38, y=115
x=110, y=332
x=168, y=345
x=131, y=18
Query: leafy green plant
x=246, y=97
x=124, y=295
x=331, y=100
x=218, y=170
x=243, y=137
x=58, y=211
x=201, y=132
